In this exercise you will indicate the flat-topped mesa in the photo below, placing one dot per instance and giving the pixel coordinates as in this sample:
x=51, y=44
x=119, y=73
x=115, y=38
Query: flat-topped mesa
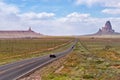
x=20, y=34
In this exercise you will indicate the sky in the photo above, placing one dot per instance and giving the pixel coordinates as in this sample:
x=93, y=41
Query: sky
x=59, y=17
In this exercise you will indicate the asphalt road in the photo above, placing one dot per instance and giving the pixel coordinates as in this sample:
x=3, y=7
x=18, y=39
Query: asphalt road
x=18, y=69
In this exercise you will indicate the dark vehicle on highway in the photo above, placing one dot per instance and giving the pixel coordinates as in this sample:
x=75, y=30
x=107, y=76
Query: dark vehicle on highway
x=52, y=56
x=72, y=47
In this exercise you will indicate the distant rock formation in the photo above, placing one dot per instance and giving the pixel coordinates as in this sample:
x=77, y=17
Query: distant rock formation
x=20, y=34
x=107, y=30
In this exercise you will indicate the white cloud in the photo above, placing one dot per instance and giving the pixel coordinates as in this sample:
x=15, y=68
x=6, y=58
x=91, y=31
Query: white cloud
x=112, y=3
x=111, y=6
x=9, y=16
x=75, y=17
x=106, y=3
x=8, y=9
x=78, y=15
x=87, y=2
x=33, y=15
x=111, y=11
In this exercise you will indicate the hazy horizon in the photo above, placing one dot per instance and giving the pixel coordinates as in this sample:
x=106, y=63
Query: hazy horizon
x=58, y=17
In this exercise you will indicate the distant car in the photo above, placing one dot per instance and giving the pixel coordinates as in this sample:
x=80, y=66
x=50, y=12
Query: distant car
x=72, y=47
x=52, y=56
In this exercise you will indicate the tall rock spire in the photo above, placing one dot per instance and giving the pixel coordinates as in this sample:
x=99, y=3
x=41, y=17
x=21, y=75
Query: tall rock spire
x=106, y=30
x=108, y=25
x=30, y=30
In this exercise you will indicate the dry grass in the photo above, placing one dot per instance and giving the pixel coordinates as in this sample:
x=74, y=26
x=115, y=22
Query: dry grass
x=90, y=60
x=17, y=49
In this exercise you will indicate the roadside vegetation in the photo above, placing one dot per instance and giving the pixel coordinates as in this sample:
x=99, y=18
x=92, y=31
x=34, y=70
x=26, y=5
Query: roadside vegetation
x=92, y=59
x=16, y=49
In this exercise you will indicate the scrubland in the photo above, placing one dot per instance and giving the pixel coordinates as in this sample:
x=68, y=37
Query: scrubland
x=92, y=59
x=17, y=49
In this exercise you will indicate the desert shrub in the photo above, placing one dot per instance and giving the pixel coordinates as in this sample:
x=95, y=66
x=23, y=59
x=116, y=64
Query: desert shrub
x=107, y=47
x=88, y=76
x=99, y=61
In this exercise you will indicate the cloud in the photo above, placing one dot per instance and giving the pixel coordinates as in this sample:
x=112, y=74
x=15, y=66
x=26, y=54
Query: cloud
x=12, y=18
x=75, y=17
x=112, y=3
x=87, y=2
x=9, y=16
x=8, y=9
x=33, y=15
x=111, y=6
x=112, y=11
x=106, y=3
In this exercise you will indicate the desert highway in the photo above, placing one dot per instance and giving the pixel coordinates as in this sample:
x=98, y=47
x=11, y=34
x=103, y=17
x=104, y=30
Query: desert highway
x=16, y=70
